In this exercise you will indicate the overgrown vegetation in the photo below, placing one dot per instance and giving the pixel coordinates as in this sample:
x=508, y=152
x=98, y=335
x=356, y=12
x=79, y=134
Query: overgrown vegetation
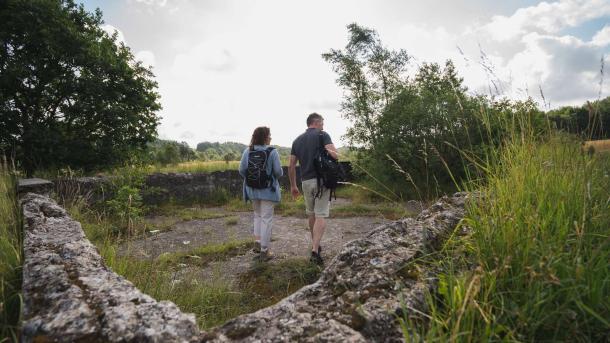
x=10, y=259
x=534, y=263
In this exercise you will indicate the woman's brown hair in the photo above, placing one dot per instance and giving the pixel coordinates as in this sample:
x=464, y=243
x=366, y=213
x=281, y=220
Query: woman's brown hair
x=260, y=136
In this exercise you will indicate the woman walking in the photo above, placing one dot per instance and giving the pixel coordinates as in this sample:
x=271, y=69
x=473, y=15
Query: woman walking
x=260, y=167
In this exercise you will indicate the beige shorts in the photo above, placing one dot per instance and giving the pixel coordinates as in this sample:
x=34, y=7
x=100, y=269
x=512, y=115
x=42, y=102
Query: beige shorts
x=319, y=206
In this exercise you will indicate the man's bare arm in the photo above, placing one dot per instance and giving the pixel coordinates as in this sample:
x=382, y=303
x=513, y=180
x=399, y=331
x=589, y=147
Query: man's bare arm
x=292, y=175
x=332, y=151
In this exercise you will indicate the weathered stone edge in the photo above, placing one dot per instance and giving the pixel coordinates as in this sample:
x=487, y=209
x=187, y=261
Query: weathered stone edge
x=362, y=291
x=71, y=296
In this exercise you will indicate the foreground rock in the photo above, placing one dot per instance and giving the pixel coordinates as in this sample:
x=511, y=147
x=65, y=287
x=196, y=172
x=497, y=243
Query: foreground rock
x=71, y=296
x=362, y=292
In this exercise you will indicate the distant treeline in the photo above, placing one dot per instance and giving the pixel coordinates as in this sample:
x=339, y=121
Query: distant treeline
x=591, y=120
x=214, y=151
x=165, y=152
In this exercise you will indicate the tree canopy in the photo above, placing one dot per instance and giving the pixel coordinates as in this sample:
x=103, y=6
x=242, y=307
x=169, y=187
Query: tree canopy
x=70, y=94
x=169, y=152
x=591, y=120
x=411, y=132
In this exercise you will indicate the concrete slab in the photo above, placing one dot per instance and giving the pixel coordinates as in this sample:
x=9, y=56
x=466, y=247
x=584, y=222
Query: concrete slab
x=34, y=185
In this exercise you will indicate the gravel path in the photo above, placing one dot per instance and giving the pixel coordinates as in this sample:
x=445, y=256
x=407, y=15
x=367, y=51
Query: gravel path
x=290, y=238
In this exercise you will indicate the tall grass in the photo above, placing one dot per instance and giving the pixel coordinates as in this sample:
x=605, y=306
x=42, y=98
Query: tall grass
x=10, y=259
x=535, y=263
x=196, y=167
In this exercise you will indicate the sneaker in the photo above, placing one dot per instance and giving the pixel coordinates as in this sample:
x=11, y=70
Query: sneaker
x=264, y=256
x=320, y=250
x=257, y=247
x=316, y=259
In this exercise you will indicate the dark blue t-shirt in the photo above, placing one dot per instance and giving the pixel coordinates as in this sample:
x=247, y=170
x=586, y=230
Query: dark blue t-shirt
x=305, y=148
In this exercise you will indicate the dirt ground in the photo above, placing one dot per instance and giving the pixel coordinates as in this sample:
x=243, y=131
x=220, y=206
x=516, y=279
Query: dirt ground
x=290, y=238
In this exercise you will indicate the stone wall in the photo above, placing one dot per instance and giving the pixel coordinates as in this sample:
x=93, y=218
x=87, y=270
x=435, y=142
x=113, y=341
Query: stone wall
x=165, y=187
x=201, y=187
x=70, y=295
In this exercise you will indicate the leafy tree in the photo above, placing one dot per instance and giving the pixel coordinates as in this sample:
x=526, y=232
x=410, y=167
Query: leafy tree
x=169, y=152
x=410, y=133
x=371, y=75
x=70, y=94
x=228, y=157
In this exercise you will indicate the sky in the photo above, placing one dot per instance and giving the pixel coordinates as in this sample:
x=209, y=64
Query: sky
x=225, y=67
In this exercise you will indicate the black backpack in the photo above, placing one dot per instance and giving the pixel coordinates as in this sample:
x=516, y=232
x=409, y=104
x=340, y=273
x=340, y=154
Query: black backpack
x=328, y=170
x=256, y=174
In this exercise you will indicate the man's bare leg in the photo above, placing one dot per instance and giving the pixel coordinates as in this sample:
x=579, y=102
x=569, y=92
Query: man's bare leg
x=312, y=221
x=317, y=232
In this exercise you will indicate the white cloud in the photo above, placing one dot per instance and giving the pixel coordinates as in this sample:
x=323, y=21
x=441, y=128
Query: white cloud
x=187, y=135
x=546, y=18
x=146, y=57
x=203, y=57
x=160, y=3
x=529, y=52
x=225, y=67
x=110, y=30
x=602, y=37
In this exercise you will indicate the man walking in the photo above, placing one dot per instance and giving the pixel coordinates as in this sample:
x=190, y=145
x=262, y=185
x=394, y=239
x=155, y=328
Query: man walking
x=317, y=204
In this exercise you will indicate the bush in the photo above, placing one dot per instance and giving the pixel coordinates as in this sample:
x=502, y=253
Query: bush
x=127, y=207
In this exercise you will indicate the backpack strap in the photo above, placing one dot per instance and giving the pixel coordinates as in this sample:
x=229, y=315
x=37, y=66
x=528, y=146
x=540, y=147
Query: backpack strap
x=271, y=175
x=318, y=177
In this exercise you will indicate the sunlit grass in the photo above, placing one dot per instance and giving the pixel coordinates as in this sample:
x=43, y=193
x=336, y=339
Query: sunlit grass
x=602, y=146
x=534, y=266
x=10, y=259
x=197, y=167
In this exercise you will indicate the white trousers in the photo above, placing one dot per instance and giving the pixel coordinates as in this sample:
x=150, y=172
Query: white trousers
x=263, y=221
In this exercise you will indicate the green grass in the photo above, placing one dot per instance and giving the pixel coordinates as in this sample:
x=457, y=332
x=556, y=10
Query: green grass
x=391, y=211
x=170, y=276
x=271, y=282
x=360, y=206
x=196, y=167
x=203, y=255
x=213, y=301
x=233, y=220
x=360, y=193
x=10, y=259
x=237, y=205
x=187, y=213
x=534, y=266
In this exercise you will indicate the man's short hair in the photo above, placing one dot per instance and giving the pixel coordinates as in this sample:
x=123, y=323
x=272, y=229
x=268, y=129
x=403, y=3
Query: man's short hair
x=312, y=118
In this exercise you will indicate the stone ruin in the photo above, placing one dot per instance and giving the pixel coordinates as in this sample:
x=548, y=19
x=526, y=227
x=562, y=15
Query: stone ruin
x=159, y=188
x=71, y=296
